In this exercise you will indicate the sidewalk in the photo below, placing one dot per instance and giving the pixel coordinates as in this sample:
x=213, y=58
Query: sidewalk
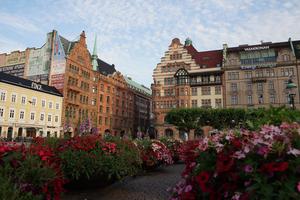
x=151, y=186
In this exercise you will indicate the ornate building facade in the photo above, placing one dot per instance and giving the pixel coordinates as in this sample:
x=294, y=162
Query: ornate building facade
x=185, y=78
x=257, y=75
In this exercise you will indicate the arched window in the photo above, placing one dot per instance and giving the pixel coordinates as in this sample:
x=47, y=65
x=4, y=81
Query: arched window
x=182, y=77
x=169, y=132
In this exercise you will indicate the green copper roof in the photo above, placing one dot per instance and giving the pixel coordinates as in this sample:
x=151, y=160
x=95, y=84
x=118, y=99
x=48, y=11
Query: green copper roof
x=136, y=86
x=95, y=46
x=95, y=56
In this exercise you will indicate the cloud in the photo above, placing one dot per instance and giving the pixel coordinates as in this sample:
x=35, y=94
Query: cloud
x=135, y=34
x=18, y=22
x=8, y=45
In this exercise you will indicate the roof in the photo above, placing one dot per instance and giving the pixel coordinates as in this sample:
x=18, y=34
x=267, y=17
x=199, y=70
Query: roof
x=105, y=68
x=138, y=87
x=67, y=45
x=264, y=44
x=210, y=59
x=21, y=82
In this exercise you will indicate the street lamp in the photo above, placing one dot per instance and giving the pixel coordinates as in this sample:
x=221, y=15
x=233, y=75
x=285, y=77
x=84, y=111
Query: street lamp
x=290, y=87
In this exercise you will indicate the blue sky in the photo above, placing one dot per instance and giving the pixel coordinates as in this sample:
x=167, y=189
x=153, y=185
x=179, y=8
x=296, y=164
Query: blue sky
x=134, y=34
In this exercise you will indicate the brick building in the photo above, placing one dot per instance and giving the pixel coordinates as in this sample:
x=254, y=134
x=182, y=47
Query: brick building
x=185, y=78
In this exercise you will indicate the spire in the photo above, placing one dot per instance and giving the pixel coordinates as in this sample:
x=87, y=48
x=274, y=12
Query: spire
x=95, y=46
x=95, y=56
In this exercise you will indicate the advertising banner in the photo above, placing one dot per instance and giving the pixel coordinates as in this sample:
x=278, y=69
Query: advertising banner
x=58, y=64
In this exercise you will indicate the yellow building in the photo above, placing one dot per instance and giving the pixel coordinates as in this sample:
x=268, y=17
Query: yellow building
x=28, y=109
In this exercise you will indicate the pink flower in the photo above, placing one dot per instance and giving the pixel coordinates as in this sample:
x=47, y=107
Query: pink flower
x=298, y=186
x=294, y=152
x=188, y=188
x=248, y=169
x=263, y=151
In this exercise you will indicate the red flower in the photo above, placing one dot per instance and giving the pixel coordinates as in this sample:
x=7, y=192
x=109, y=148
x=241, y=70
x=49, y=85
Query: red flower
x=275, y=167
x=236, y=143
x=202, y=178
x=224, y=163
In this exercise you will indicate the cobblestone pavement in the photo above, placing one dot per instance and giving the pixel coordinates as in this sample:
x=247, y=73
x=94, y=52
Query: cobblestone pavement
x=150, y=186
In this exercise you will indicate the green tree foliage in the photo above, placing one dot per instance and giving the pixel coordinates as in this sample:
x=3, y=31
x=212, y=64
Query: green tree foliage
x=193, y=118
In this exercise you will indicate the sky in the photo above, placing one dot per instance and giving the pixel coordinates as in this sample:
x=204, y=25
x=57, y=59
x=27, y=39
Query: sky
x=134, y=34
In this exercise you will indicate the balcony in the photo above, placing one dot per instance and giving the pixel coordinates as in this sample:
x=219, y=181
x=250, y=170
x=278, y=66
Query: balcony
x=259, y=79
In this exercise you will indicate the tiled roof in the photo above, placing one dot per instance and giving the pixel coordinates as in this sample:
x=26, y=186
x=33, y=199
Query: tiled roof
x=210, y=59
x=105, y=68
x=21, y=82
x=136, y=86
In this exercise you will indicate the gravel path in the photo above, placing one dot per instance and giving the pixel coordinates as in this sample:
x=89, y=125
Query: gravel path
x=150, y=186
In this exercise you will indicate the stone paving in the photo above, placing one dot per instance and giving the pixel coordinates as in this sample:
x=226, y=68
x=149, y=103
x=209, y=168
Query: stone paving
x=149, y=186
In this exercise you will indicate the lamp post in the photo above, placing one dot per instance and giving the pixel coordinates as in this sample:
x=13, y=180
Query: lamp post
x=291, y=94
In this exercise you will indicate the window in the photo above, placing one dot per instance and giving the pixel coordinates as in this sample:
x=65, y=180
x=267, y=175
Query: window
x=248, y=74
x=218, y=89
x=56, y=119
x=101, y=97
x=2, y=96
x=23, y=100
x=260, y=86
x=93, y=102
x=206, y=103
x=194, y=91
x=42, y=117
x=218, y=103
x=57, y=106
x=249, y=100
x=270, y=72
x=233, y=87
x=33, y=102
x=286, y=57
x=194, y=103
x=49, y=118
x=271, y=85
x=106, y=121
x=107, y=109
x=1, y=112
x=249, y=86
x=101, y=109
x=43, y=103
x=22, y=113
x=259, y=73
x=205, y=90
x=107, y=99
x=272, y=98
x=233, y=75
x=234, y=100
x=13, y=98
x=11, y=113
x=32, y=116
x=50, y=105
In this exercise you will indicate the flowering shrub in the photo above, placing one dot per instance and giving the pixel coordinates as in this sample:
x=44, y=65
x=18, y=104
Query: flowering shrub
x=153, y=153
x=92, y=158
x=243, y=165
x=174, y=147
x=29, y=173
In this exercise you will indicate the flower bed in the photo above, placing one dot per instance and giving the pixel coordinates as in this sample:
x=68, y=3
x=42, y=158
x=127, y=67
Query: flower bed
x=174, y=147
x=243, y=165
x=42, y=170
x=153, y=153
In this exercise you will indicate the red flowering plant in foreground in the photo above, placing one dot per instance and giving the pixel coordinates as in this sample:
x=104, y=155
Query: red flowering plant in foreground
x=153, y=153
x=29, y=173
x=240, y=164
